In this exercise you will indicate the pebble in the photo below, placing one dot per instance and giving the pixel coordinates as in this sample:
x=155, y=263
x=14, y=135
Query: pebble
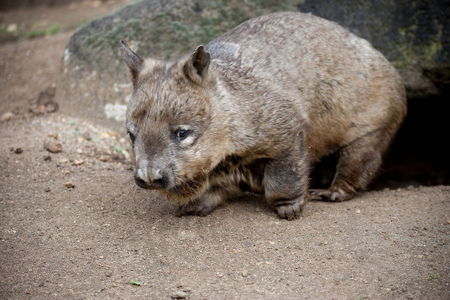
x=47, y=158
x=69, y=185
x=18, y=151
x=87, y=136
x=11, y=28
x=63, y=161
x=6, y=116
x=244, y=273
x=52, y=145
x=105, y=158
x=104, y=135
x=78, y=162
x=179, y=295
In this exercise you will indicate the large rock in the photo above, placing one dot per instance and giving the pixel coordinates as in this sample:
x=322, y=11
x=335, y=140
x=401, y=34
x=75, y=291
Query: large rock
x=413, y=35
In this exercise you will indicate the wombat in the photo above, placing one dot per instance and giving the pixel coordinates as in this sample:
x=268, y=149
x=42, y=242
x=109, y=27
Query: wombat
x=256, y=108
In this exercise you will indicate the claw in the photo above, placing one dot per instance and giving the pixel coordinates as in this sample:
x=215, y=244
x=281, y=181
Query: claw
x=331, y=195
x=290, y=209
x=196, y=209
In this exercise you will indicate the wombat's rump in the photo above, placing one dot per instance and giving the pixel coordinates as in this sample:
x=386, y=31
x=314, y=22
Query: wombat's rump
x=254, y=109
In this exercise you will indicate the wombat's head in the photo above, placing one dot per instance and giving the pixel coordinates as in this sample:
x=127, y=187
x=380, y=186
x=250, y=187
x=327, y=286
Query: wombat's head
x=170, y=121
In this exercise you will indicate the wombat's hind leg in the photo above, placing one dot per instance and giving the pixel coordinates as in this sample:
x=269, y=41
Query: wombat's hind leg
x=358, y=163
x=202, y=206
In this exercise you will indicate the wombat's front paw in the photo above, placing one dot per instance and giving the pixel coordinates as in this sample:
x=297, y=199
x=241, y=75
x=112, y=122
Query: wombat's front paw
x=197, y=208
x=289, y=209
x=331, y=195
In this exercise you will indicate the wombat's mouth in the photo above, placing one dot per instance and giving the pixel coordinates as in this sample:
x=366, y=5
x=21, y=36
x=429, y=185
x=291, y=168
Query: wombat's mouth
x=187, y=190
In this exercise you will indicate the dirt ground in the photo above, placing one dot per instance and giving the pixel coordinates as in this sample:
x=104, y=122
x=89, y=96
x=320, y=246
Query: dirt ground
x=73, y=225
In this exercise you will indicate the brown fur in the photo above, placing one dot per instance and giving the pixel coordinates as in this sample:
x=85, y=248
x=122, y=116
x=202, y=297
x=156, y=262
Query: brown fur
x=255, y=108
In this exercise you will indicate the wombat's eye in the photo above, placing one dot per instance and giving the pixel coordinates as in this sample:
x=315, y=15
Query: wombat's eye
x=181, y=134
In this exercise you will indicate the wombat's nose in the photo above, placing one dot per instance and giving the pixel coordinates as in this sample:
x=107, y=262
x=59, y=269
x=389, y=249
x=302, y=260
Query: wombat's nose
x=150, y=178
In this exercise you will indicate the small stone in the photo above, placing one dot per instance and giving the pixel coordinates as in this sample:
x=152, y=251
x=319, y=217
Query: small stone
x=53, y=135
x=244, y=273
x=105, y=158
x=52, y=145
x=69, y=185
x=179, y=295
x=78, y=162
x=12, y=28
x=47, y=190
x=358, y=211
x=18, y=151
x=108, y=273
x=104, y=135
x=6, y=116
x=47, y=158
x=87, y=136
x=63, y=161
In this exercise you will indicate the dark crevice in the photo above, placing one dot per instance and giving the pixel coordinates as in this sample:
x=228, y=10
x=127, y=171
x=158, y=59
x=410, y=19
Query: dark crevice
x=419, y=155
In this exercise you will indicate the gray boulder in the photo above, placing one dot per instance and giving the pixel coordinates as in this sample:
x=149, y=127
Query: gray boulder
x=413, y=35
x=94, y=84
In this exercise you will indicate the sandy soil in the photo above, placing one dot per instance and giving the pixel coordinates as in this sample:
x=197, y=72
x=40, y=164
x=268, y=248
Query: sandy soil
x=73, y=225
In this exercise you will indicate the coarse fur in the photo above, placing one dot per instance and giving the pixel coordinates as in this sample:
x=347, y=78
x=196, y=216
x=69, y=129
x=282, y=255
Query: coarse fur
x=254, y=109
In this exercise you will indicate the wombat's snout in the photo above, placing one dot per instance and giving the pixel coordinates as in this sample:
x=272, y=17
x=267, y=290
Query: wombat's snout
x=150, y=177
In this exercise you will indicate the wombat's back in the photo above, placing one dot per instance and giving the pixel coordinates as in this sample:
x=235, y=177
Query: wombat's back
x=299, y=67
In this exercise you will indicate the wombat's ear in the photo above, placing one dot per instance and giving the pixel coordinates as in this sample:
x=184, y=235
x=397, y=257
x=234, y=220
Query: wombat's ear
x=196, y=67
x=132, y=60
